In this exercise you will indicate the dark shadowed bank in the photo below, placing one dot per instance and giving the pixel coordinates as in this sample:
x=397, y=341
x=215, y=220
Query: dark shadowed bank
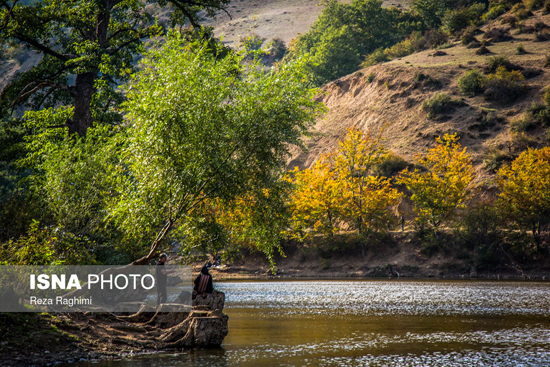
x=48, y=338
x=397, y=255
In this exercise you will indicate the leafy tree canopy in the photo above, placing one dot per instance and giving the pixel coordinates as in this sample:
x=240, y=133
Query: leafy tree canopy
x=87, y=49
x=202, y=129
x=525, y=189
x=444, y=186
x=344, y=33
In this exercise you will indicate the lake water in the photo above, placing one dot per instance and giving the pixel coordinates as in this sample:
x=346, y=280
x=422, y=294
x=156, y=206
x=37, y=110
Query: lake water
x=376, y=323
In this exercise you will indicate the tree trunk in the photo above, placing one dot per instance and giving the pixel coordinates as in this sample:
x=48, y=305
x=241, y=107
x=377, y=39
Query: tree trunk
x=83, y=91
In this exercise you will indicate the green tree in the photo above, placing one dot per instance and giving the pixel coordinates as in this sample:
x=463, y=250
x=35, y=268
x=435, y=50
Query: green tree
x=87, y=49
x=431, y=11
x=201, y=128
x=344, y=33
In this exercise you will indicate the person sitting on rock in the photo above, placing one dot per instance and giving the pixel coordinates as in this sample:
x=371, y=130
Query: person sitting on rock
x=203, y=282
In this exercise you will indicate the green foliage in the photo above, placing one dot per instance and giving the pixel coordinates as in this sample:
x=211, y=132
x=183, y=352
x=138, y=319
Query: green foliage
x=471, y=83
x=47, y=246
x=481, y=232
x=374, y=58
x=504, y=86
x=431, y=11
x=344, y=34
x=390, y=166
x=439, y=104
x=495, y=62
x=469, y=35
x=457, y=19
x=520, y=50
x=252, y=45
x=87, y=49
x=203, y=129
x=533, y=4
x=493, y=13
x=537, y=114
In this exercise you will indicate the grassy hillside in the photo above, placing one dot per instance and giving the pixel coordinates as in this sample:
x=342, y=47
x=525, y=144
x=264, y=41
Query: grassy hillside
x=283, y=19
x=392, y=94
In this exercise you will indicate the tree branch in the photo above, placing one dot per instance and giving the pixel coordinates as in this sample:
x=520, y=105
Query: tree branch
x=41, y=47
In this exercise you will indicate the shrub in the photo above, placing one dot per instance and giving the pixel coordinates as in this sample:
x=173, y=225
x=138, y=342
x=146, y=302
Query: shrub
x=370, y=78
x=504, y=86
x=457, y=19
x=497, y=35
x=520, y=11
x=546, y=97
x=533, y=4
x=427, y=81
x=495, y=159
x=522, y=28
x=500, y=61
x=539, y=26
x=493, y=13
x=547, y=61
x=539, y=114
x=542, y=36
x=510, y=19
x=523, y=124
x=439, y=104
x=374, y=58
x=434, y=38
x=546, y=7
x=471, y=83
x=278, y=48
x=483, y=50
x=252, y=42
x=390, y=166
x=469, y=35
x=474, y=45
x=520, y=50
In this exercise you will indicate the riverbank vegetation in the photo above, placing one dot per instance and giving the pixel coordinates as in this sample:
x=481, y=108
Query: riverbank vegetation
x=186, y=150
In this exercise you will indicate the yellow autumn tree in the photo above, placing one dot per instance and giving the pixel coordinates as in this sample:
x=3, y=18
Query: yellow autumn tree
x=315, y=202
x=365, y=198
x=525, y=190
x=443, y=186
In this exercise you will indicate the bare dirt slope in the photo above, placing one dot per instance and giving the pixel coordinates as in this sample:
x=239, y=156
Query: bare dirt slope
x=284, y=19
x=395, y=93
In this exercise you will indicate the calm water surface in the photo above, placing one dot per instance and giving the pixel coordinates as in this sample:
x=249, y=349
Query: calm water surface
x=376, y=323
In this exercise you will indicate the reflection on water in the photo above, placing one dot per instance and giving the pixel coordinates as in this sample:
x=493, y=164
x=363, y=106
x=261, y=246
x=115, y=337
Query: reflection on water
x=377, y=323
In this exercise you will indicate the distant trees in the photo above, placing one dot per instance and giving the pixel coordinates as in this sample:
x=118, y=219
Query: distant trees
x=342, y=189
x=343, y=34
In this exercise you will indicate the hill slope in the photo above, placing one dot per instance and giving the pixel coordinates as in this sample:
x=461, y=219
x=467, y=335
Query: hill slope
x=391, y=94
